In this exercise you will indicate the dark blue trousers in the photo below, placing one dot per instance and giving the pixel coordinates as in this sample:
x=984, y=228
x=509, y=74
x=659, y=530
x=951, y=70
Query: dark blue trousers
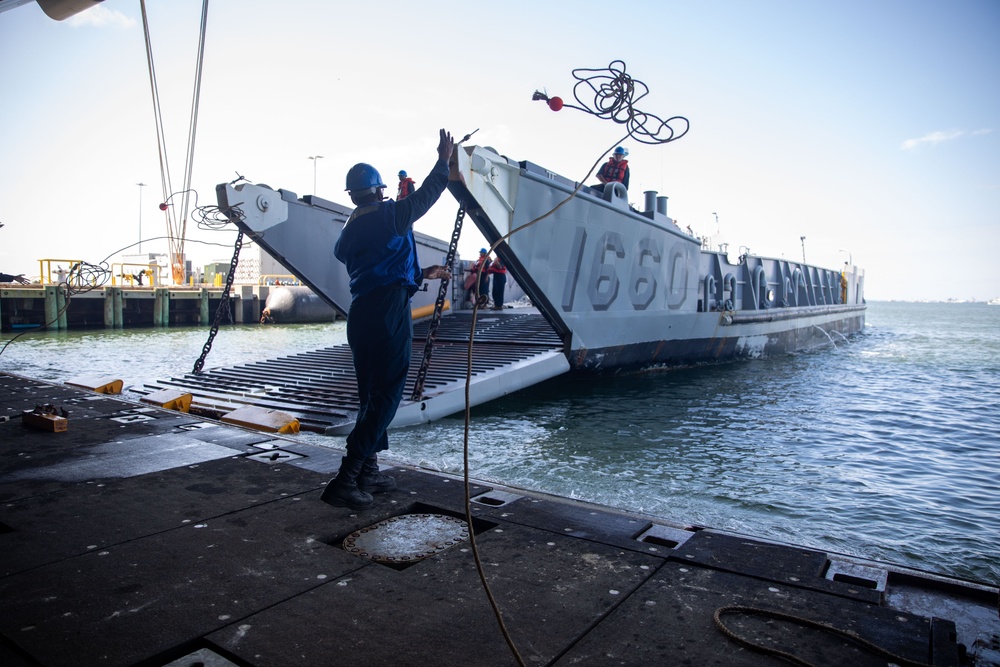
x=379, y=331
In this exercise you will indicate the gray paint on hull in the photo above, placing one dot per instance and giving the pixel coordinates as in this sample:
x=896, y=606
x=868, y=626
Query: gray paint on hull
x=628, y=289
x=739, y=342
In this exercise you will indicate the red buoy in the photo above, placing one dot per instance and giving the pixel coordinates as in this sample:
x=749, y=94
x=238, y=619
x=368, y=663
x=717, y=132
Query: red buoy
x=163, y=206
x=556, y=103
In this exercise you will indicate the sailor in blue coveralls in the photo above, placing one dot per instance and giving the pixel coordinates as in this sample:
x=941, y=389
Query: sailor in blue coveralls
x=378, y=248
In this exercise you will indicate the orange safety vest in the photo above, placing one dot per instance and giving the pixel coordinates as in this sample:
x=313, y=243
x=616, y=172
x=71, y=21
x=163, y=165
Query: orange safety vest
x=614, y=170
x=406, y=187
x=479, y=262
x=497, y=267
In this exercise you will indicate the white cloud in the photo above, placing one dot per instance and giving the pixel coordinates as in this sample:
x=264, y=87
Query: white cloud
x=934, y=138
x=101, y=17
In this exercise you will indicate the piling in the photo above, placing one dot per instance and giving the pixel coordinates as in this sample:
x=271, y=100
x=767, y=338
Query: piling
x=204, y=315
x=52, y=306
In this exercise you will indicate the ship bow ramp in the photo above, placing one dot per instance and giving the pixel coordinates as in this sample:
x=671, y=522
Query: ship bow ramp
x=301, y=234
x=512, y=350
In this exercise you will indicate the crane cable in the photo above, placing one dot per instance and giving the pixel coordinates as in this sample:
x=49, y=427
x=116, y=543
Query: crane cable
x=193, y=124
x=161, y=144
x=176, y=231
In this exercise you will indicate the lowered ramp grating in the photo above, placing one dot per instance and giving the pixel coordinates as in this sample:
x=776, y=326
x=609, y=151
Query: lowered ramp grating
x=513, y=349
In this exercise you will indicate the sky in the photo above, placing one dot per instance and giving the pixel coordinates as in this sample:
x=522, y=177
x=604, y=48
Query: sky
x=870, y=127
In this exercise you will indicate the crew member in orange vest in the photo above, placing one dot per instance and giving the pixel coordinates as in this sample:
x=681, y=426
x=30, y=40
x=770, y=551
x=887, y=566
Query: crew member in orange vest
x=406, y=186
x=499, y=273
x=482, y=294
x=615, y=169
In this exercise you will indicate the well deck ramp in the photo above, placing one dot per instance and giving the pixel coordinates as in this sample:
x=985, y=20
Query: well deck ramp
x=513, y=349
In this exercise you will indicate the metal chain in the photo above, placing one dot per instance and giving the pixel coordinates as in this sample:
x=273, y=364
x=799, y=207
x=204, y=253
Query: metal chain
x=223, y=305
x=418, y=386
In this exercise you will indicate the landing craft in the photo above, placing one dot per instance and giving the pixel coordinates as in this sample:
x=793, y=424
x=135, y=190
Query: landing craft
x=614, y=289
x=623, y=289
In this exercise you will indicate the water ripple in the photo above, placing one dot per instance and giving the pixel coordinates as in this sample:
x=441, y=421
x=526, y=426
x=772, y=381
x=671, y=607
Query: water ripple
x=884, y=447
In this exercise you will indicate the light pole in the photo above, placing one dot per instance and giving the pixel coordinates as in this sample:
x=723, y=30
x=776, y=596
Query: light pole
x=141, y=186
x=803, y=239
x=314, y=158
x=850, y=259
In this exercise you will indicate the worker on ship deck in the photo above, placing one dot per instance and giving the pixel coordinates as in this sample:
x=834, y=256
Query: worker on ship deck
x=499, y=272
x=379, y=251
x=843, y=284
x=615, y=169
x=406, y=186
x=478, y=285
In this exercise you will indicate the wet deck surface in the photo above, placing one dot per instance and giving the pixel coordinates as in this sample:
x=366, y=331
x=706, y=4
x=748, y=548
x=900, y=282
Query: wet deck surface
x=146, y=537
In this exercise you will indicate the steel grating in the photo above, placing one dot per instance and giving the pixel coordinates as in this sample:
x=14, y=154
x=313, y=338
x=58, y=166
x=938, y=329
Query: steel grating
x=319, y=389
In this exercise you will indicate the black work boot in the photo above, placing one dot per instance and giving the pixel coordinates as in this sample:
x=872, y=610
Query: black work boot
x=371, y=480
x=343, y=491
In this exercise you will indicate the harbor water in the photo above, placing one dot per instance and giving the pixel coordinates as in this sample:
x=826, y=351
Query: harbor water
x=885, y=446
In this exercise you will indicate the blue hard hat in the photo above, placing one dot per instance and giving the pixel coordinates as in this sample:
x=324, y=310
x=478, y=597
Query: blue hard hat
x=482, y=251
x=363, y=177
x=621, y=151
x=402, y=172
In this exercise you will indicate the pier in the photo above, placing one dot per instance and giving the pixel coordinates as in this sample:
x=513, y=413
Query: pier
x=137, y=535
x=117, y=306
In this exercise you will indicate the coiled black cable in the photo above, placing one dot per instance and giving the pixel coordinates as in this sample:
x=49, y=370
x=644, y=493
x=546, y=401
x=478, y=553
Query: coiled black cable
x=612, y=94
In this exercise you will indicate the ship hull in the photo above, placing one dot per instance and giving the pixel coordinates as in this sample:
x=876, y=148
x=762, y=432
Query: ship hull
x=809, y=328
x=628, y=289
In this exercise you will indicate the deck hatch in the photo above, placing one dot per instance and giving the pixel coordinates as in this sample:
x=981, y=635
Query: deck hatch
x=665, y=536
x=407, y=539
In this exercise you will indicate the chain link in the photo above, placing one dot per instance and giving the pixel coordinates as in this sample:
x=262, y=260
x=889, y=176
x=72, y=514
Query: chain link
x=418, y=386
x=223, y=305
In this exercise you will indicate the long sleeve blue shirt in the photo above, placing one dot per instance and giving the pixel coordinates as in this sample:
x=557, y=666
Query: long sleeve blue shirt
x=377, y=243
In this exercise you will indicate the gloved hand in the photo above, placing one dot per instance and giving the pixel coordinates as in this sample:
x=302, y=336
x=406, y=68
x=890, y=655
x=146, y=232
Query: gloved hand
x=437, y=273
